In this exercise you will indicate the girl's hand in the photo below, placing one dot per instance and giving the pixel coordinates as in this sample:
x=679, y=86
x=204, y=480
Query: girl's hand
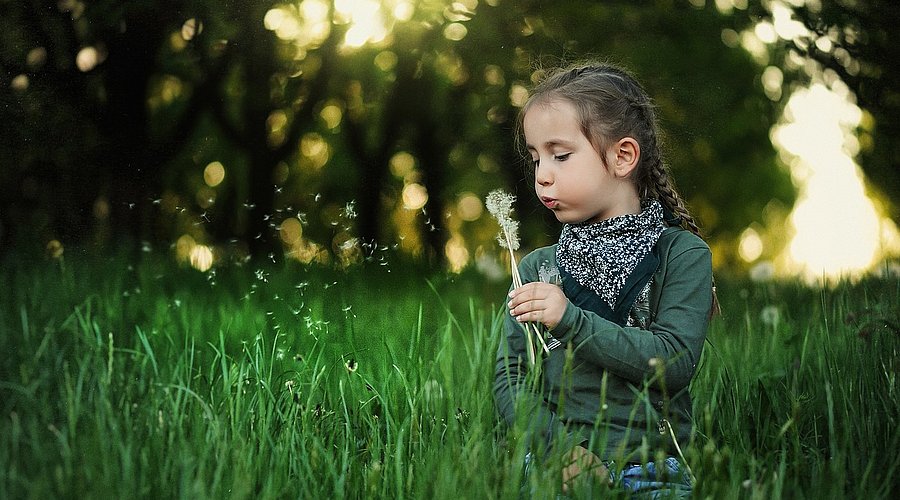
x=582, y=461
x=539, y=302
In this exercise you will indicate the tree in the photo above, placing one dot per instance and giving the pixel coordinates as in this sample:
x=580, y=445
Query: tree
x=173, y=86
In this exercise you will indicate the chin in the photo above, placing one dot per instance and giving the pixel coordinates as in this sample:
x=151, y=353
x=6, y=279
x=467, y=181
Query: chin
x=566, y=219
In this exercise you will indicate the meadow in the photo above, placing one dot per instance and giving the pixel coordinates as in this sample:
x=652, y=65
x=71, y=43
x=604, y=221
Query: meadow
x=132, y=376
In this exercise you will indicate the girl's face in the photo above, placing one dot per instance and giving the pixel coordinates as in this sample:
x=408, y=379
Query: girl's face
x=570, y=178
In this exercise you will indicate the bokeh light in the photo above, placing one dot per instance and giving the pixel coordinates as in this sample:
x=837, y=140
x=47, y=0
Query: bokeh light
x=837, y=229
x=469, y=206
x=750, y=247
x=214, y=174
x=414, y=196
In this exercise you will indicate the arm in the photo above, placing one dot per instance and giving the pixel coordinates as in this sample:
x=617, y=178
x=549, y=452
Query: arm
x=515, y=397
x=512, y=393
x=675, y=337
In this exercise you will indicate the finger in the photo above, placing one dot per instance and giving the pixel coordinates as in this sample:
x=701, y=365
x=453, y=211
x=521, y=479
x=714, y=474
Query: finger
x=525, y=293
x=528, y=289
x=532, y=316
x=517, y=307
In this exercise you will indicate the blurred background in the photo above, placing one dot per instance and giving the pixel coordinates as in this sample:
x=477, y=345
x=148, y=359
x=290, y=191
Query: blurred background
x=344, y=131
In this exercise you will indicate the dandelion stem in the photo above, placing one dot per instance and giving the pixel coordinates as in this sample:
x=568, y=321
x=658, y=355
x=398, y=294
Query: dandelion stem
x=499, y=204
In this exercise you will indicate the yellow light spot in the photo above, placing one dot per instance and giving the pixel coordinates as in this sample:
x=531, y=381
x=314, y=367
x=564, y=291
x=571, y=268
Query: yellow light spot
x=460, y=11
x=276, y=121
x=414, y=196
x=183, y=247
x=386, y=60
x=493, y=75
x=55, y=249
x=201, y=258
x=331, y=114
x=487, y=164
x=214, y=174
x=772, y=79
x=724, y=6
x=191, y=28
x=402, y=164
x=19, y=83
x=291, y=231
x=752, y=43
x=751, y=245
x=730, y=38
x=365, y=19
x=453, y=67
x=101, y=208
x=824, y=44
x=403, y=11
x=87, y=59
x=455, y=32
x=36, y=57
x=315, y=150
x=518, y=95
x=785, y=26
x=273, y=19
x=457, y=254
x=469, y=207
x=170, y=88
x=177, y=42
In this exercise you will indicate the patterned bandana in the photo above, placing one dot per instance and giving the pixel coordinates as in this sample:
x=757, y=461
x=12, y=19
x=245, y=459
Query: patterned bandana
x=600, y=256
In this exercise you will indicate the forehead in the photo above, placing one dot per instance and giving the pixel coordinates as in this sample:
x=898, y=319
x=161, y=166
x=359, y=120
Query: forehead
x=554, y=118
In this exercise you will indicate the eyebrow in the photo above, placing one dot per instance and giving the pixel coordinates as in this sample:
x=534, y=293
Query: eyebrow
x=551, y=143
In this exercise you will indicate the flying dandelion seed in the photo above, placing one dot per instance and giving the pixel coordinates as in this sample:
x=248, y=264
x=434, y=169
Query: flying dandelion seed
x=349, y=210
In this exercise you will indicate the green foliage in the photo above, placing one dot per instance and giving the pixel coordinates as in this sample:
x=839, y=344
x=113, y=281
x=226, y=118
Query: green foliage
x=143, y=379
x=159, y=105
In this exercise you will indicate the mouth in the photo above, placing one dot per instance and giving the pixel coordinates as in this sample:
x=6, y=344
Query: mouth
x=548, y=202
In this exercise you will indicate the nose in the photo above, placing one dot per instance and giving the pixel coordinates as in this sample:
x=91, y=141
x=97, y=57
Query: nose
x=542, y=176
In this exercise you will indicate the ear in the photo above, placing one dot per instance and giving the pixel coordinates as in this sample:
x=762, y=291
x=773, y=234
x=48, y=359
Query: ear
x=627, y=156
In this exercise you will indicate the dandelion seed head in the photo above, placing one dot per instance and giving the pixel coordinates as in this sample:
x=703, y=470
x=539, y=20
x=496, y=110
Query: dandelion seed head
x=509, y=231
x=499, y=203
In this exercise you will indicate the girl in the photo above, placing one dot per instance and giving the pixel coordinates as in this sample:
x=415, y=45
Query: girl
x=624, y=297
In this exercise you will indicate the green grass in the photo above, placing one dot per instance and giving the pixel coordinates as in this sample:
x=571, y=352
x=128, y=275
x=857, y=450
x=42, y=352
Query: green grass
x=145, y=379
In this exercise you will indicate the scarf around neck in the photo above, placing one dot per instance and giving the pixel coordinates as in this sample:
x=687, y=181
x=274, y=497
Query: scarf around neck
x=600, y=256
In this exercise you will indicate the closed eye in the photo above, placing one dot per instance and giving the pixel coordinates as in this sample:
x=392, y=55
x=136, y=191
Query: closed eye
x=562, y=157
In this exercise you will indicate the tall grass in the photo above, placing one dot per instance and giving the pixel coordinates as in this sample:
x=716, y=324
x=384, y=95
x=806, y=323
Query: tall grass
x=123, y=379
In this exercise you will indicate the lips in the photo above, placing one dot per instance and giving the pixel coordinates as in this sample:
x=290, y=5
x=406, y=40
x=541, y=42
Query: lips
x=548, y=202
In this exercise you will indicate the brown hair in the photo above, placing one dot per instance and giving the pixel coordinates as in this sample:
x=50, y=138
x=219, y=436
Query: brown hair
x=611, y=105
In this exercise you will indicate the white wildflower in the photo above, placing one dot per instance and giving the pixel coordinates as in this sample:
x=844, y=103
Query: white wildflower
x=499, y=204
x=770, y=316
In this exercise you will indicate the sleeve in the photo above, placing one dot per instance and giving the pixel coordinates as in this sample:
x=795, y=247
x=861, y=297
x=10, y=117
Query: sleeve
x=674, y=337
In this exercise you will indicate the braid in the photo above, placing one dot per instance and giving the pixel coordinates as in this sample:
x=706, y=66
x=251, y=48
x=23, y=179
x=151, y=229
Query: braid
x=665, y=191
x=654, y=179
x=662, y=186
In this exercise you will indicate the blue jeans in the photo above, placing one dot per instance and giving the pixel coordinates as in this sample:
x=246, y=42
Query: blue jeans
x=647, y=481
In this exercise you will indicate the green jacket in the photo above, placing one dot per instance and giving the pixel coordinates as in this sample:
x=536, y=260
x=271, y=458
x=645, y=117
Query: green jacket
x=609, y=387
